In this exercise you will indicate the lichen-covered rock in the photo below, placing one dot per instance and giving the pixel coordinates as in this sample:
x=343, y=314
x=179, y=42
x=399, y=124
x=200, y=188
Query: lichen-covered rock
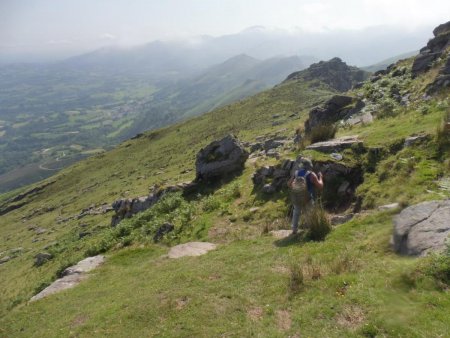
x=220, y=158
x=422, y=228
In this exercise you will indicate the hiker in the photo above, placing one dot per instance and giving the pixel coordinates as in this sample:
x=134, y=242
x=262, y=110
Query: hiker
x=303, y=184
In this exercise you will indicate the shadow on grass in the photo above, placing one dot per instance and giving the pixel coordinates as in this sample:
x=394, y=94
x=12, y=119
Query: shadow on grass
x=297, y=239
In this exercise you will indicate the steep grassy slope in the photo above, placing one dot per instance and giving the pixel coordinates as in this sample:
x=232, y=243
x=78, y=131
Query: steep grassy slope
x=131, y=169
x=351, y=284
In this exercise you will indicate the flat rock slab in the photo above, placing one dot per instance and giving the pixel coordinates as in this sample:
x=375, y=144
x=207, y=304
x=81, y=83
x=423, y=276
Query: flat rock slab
x=281, y=233
x=422, y=228
x=191, y=249
x=335, y=145
x=72, y=276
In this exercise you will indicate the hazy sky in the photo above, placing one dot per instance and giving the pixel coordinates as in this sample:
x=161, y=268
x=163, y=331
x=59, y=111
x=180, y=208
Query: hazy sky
x=39, y=26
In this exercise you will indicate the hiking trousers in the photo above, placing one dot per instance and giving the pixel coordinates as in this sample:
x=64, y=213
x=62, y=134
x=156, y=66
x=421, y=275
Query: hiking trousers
x=297, y=213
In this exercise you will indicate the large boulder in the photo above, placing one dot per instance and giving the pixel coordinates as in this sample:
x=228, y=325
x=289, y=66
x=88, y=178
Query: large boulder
x=335, y=109
x=422, y=228
x=220, y=158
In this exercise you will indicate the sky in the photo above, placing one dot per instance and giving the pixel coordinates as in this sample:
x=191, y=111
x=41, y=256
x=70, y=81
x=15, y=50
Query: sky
x=60, y=27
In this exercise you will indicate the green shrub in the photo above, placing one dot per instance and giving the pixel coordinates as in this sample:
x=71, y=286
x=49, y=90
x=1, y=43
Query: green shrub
x=322, y=132
x=211, y=203
x=317, y=221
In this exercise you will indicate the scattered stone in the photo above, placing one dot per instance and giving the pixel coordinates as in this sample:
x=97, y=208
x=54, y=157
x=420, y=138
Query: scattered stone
x=275, y=116
x=281, y=233
x=191, y=249
x=413, y=140
x=337, y=144
x=40, y=231
x=42, y=258
x=72, y=276
x=273, y=144
x=340, y=219
x=422, y=228
x=5, y=259
x=389, y=207
x=254, y=147
x=220, y=158
x=93, y=210
x=254, y=209
x=163, y=230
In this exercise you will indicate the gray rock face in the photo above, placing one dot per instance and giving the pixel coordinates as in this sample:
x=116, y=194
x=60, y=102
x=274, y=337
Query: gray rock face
x=442, y=80
x=335, y=145
x=442, y=29
x=422, y=228
x=220, y=158
x=433, y=50
x=71, y=276
x=335, y=109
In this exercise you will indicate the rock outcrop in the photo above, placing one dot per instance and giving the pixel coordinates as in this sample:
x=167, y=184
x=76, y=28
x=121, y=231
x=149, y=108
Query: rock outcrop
x=337, y=108
x=442, y=80
x=72, y=276
x=433, y=50
x=335, y=73
x=336, y=145
x=127, y=207
x=220, y=158
x=422, y=228
x=340, y=181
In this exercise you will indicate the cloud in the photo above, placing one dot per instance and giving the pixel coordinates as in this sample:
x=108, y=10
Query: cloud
x=108, y=36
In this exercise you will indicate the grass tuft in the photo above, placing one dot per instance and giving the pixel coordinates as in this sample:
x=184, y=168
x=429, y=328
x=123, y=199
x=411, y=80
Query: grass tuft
x=316, y=219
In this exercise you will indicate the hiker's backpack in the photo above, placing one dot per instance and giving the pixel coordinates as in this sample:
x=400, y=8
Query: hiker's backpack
x=301, y=193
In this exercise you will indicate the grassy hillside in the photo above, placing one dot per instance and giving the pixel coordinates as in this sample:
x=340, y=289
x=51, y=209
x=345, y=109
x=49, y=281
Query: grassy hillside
x=351, y=284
